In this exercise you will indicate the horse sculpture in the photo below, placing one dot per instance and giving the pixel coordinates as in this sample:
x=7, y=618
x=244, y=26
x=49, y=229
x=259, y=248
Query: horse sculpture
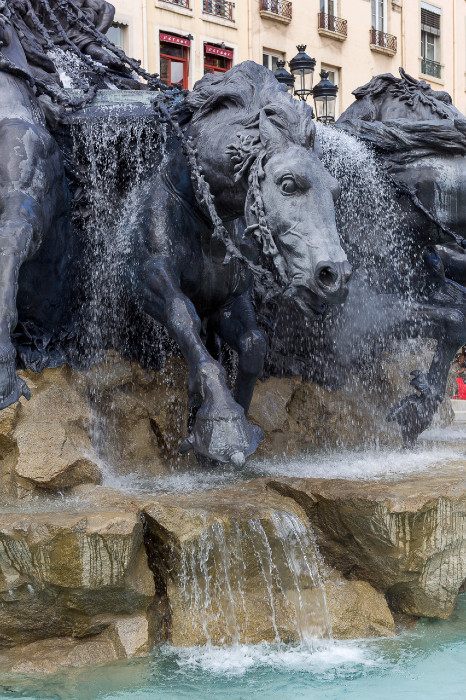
x=33, y=207
x=34, y=198
x=249, y=151
x=420, y=138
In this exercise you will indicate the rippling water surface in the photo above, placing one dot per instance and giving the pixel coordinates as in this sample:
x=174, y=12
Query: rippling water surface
x=426, y=662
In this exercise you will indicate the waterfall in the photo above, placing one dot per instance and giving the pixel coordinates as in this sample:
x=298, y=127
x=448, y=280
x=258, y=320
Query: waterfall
x=247, y=581
x=116, y=156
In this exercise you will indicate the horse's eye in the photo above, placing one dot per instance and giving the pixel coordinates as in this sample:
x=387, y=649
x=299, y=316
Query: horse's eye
x=289, y=185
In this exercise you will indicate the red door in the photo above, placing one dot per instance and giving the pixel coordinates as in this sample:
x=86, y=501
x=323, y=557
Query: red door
x=174, y=64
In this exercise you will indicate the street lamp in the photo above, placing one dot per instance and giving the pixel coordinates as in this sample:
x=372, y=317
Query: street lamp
x=325, y=95
x=283, y=76
x=302, y=66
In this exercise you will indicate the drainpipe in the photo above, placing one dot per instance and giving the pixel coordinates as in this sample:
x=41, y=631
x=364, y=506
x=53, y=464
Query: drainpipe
x=144, y=36
x=454, y=52
x=250, y=56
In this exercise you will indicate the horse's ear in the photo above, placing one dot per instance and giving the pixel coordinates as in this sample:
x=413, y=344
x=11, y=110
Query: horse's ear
x=308, y=132
x=271, y=137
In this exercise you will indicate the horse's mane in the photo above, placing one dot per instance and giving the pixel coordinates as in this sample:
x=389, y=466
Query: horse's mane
x=44, y=25
x=250, y=89
x=431, y=126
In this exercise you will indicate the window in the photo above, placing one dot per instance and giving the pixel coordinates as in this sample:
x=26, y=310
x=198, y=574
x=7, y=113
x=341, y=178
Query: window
x=329, y=7
x=269, y=60
x=117, y=34
x=379, y=15
x=220, y=8
x=174, y=60
x=217, y=59
x=430, y=40
x=334, y=77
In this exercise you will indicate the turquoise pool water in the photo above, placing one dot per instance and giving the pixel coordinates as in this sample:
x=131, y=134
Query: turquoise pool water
x=427, y=662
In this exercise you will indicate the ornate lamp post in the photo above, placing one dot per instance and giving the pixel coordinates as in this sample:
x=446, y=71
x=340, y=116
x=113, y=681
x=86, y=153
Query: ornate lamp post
x=283, y=76
x=325, y=95
x=302, y=66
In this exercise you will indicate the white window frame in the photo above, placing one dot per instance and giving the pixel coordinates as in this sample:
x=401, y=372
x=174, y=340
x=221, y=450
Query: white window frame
x=376, y=4
x=431, y=8
x=273, y=54
x=336, y=71
x=324, y=8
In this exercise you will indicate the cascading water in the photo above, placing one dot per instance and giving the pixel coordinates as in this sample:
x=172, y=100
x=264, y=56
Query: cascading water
x=115, y=155
x=246, y=581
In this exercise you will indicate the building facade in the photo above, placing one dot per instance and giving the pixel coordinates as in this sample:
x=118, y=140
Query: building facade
x=353, y=39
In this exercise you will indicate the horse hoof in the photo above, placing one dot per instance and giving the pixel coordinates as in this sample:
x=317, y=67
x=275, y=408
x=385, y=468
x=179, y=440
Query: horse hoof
x=12, y=387
x=238, y=459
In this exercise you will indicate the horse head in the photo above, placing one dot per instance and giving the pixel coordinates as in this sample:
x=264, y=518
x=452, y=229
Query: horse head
x=420, y=136
x=271, y=173
x=291, y=202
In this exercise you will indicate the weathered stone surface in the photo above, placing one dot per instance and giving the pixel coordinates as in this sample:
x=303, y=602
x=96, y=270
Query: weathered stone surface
x=116, y=413
x=141, y=416
x=357, y=610
x=49, y=436
x=239, y=565
x=270, y=401
x=125, y=638
x=407, y=538
x=70, y=574
x=51, y=655
x=299, y=415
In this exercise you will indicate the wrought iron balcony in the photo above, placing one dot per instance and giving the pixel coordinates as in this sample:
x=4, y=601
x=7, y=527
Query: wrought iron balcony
x=281, y=10
x=329, y=25
x=218, y=8
x=432, y=68
x=385, y=43
x=180, y=3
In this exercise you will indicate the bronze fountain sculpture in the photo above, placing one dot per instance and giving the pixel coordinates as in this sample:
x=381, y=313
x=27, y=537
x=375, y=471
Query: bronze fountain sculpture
x=240, y=215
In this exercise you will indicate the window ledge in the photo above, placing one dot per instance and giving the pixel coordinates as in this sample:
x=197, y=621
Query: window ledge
x=273, y=16
x=382, y=49
x=188, y=12
x=207, y=17
x=338, y=36
x=431, y=78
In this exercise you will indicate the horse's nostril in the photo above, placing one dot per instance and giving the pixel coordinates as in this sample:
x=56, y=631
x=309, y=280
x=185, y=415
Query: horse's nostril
x=327, y=276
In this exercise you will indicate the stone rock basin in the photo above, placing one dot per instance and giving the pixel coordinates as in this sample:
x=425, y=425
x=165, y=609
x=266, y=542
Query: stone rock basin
x=128, y=571
x=104, y=554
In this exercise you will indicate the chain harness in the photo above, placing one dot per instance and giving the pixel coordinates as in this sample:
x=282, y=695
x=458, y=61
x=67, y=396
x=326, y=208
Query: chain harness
x=264, y=278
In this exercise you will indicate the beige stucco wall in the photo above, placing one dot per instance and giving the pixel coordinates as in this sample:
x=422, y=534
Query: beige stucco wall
x=250, y=34
x=452, y=46
x=130, y=13
x=353, y=56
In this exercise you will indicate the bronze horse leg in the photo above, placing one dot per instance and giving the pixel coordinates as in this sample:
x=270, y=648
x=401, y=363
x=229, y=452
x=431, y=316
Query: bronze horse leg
x=221, y=432
x=236, y=324
x=448, y=326
x=19, y=236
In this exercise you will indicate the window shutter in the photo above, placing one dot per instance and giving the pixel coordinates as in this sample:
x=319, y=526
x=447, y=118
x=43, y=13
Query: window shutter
x=430, y=22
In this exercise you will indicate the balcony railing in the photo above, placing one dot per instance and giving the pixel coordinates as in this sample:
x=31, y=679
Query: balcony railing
x=333, y=24
x=219, y=8
x=282, y=8
x=180, y=3
x=385, y=42
x=432, y=68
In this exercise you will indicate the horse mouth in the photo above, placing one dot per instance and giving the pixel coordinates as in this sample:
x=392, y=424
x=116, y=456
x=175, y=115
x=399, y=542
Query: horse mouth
x=306, y=301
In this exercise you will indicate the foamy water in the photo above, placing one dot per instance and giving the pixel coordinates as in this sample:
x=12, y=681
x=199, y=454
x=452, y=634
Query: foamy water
x=239, y=659
x=363, y=465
